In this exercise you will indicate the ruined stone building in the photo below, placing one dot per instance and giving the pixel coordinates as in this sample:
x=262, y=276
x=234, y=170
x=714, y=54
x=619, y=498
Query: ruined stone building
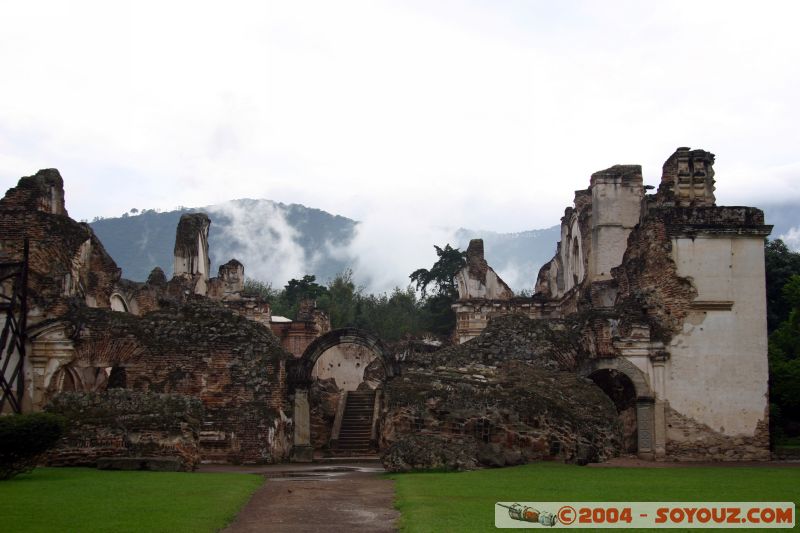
x=664, y=294
x=646, y=334
x=189, y=367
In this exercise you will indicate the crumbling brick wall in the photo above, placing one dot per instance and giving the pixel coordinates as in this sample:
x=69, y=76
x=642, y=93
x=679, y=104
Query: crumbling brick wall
x=649, y=287
x=234, y=366
x=66, y=258
x=125, y=423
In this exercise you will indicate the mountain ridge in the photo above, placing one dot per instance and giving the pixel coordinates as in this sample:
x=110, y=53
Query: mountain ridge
x=277, y=241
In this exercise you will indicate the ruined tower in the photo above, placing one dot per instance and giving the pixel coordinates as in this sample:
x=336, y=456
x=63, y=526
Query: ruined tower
x=191, y=249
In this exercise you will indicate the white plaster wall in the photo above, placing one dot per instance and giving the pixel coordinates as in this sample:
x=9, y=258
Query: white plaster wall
x=345, y=363
x=118, y=303
x=615, y=211
x=717, y=371
x=469, y=287
x=608, y=246
x=573, y=265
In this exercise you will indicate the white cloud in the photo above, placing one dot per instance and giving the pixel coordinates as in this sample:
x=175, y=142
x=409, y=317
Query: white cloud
x=390, y=244
x=263, y=240
x=491, y=112
x=792, y=238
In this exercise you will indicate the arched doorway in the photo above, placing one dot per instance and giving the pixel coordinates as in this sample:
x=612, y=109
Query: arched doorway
x=620, y=389
x=331, y=368
x=302, y=369
x=628, y=388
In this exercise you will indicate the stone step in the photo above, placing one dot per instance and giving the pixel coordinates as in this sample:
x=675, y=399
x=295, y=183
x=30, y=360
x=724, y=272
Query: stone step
x=353, y=446
x=356, y=431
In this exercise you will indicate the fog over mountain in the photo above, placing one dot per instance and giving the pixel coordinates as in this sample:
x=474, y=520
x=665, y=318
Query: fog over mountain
x=277, y=242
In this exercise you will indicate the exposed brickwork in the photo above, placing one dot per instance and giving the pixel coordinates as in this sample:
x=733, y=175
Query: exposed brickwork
x=42, y=192
x=615, y=284
x=66, y=258
x=124, y=423
x=504, y=414
x=233, y=365
x=648, y=285
x=688, y=440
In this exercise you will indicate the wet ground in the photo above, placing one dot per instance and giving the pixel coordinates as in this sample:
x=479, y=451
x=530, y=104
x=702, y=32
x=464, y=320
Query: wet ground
x=344, y=497
x=317, y=497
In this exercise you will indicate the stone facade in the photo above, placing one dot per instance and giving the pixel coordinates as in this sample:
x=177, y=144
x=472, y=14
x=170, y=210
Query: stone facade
x=194, y=337
x=125, y=423
x=296, y=335
x=647, y=334
x=666, y=293
x=506, y=397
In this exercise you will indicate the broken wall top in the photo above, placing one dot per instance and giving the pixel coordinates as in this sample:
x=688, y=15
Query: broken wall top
x=66, y=258
x=43, y=192
x=687, y=179
x=478, y=280
x=190, y=226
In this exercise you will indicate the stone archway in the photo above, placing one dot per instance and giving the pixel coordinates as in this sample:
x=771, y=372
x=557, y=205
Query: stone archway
x=605, y=369
x=300, y=378
x=304, y=366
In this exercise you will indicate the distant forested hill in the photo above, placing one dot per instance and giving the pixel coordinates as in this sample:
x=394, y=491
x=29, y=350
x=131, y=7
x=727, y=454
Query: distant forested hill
x=270, y=236
x=280, y=241
x=141, y=242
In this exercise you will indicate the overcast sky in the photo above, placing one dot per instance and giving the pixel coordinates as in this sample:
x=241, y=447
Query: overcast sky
x=409, y=114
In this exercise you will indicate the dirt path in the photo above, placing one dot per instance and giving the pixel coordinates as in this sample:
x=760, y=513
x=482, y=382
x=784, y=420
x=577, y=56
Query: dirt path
x=308, y=498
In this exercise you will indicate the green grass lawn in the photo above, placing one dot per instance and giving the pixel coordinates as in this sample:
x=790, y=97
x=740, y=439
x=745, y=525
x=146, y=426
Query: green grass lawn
x=85, y=500
x=464, y=501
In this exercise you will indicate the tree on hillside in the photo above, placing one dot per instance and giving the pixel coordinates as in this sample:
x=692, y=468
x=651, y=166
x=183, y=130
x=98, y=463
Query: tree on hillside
x=440, y=317
x=784, y=367
x=288, y=300
x=341, y=300
x=391, y=316
x=781, y=264
x=254, y=288
x=442, y=273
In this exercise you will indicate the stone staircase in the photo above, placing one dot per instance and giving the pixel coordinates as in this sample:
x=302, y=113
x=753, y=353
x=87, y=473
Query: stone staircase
x=356, y=431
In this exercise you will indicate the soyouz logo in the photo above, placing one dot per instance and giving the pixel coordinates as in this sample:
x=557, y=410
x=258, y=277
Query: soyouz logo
x=594, y=515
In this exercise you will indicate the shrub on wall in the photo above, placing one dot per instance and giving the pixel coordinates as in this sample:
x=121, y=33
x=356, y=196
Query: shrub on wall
x=23, y=438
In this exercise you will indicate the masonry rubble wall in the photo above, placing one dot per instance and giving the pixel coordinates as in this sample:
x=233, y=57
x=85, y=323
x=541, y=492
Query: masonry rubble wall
x=673, y=285
x=505, y=397
x=125, y=423
x=89, y=329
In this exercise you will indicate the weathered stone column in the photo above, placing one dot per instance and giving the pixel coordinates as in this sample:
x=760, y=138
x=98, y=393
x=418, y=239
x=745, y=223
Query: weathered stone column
x=644, y=424
x=659, y=416
x=47, y=353
x=302, y=451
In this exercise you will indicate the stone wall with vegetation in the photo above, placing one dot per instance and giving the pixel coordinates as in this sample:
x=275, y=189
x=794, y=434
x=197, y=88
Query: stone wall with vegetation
x=197, y=348
x=125, y=423
x=499, y=399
